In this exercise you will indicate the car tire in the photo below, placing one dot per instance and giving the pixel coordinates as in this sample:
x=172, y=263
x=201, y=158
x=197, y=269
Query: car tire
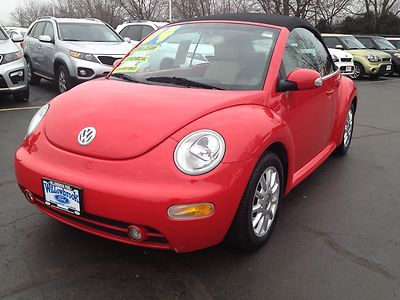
x=257, y=204
x=22, y=96
x=347, y=132
x=63, y=79
x=358, y=71
x=31, y=77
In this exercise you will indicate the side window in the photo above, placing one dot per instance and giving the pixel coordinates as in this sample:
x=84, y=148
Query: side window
x=304, y=50
x=124, y=31
x=146, y=31
x=48, y=30
x=135, y=32
x=367, y=43
x=39, y=29
x=331, y=42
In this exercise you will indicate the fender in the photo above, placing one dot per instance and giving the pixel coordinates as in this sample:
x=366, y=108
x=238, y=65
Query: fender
x=346, y=94
x=248, y=130
x=61, y=58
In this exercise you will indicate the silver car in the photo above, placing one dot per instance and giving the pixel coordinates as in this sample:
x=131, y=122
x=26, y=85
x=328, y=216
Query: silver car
x=70, y=51
x=13, y=72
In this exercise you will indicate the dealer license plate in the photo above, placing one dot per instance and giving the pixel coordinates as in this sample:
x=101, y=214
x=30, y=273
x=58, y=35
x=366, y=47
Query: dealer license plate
x=388, y=67
x=62, y=196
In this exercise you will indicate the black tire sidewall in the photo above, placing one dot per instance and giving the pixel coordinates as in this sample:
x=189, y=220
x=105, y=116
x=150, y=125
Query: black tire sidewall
x=67, y=78
x=241, y=233
x=362, y=72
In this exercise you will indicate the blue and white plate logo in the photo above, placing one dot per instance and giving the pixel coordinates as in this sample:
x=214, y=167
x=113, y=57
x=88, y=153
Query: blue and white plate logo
x=62, y=196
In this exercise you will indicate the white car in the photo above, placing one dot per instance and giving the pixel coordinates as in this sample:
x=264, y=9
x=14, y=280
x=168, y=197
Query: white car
x=138, y=30
x=343, y=60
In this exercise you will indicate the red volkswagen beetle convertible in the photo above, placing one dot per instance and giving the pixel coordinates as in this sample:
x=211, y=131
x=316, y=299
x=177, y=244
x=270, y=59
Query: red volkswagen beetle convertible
x=195, y=137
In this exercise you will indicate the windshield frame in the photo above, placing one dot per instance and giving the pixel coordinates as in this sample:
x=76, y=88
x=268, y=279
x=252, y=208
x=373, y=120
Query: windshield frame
x=3, y=35
x=84, y=23
x=274, y=30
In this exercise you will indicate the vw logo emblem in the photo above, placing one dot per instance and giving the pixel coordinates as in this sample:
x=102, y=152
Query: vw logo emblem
x=86, y=136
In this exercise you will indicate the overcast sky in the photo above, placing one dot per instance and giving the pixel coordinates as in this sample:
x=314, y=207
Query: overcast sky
x=6, y=7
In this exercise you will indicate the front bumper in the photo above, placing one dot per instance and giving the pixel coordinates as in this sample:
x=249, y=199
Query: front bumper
x=92, y=69
x=379, y=68
x=118, y=194
x=13, y=84
x=346, y=68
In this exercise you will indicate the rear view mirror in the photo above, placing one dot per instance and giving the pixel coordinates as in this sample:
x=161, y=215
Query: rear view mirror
x=126, y=39
x=45, y=39
x=340, y=47
x=300, y=80
x=17, y=38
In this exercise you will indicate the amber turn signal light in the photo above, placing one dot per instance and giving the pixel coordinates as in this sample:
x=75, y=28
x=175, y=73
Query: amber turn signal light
x=190, y=211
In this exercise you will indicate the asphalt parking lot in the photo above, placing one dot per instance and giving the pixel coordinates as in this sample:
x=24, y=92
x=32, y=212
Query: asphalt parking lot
x=338, y=235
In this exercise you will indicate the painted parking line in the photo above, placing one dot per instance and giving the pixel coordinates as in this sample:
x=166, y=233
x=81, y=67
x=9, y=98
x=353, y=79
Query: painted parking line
x=19, y=108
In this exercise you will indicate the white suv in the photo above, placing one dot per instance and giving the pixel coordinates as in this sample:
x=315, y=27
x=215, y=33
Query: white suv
x=138, y=30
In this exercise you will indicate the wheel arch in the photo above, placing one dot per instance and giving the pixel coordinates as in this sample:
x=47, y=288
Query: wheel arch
x=280, y=150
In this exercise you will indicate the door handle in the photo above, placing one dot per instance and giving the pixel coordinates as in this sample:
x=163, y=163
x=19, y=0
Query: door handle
x=329, y=92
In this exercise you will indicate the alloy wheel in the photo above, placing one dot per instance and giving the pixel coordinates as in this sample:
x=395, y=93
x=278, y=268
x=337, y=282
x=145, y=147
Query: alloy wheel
x=348, y=129
x=265, y=201
x=62, y=81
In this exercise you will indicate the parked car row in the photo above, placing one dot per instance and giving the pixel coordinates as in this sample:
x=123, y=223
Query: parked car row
x=70, y=51
x=373, y=55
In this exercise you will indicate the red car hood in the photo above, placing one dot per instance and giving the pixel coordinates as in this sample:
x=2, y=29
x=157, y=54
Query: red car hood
x=130, y=119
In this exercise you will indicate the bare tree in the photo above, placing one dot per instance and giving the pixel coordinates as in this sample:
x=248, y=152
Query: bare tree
x=30, y=11
x=329, y=10
x=144, y=9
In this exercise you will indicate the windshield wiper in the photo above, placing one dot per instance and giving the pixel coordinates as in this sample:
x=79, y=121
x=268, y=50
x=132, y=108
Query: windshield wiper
x=72, y=40
x=127, y=77
x=183, y=82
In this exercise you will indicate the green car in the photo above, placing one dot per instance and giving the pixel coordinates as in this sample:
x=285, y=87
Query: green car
x=373, y=63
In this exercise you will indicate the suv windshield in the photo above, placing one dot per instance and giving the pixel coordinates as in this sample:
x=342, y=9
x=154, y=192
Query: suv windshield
x=383, y=44
x=3, y=36
x=84, y=32
x=350, y=42
x=202, y=55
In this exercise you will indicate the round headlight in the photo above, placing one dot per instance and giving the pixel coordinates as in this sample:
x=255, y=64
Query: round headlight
x=199, y=152
x=36, y=119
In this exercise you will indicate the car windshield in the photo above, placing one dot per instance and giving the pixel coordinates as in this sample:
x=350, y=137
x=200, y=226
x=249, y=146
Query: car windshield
x=351, y=42
x=3, y=36
x=202, y=55
x=86, y=32
x=384, y=44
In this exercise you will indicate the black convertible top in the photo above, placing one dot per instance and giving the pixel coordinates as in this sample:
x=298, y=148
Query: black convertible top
x=283, y=21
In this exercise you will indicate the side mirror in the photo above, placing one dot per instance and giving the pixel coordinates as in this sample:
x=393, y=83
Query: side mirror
x=300, y=80
x=45, y=39
x=340, y=47
x=117, y=62
x=126, y=39
x=17, y=38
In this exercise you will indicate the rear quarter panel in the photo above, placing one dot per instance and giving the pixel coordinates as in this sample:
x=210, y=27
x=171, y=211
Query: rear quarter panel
x=347, y=92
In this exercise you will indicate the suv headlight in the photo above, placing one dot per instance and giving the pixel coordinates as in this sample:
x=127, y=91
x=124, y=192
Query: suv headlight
x=36, y=119
x=10, y=57
x=335, y=58
x=372, y=58
x=84, y=56
x=199, y=152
